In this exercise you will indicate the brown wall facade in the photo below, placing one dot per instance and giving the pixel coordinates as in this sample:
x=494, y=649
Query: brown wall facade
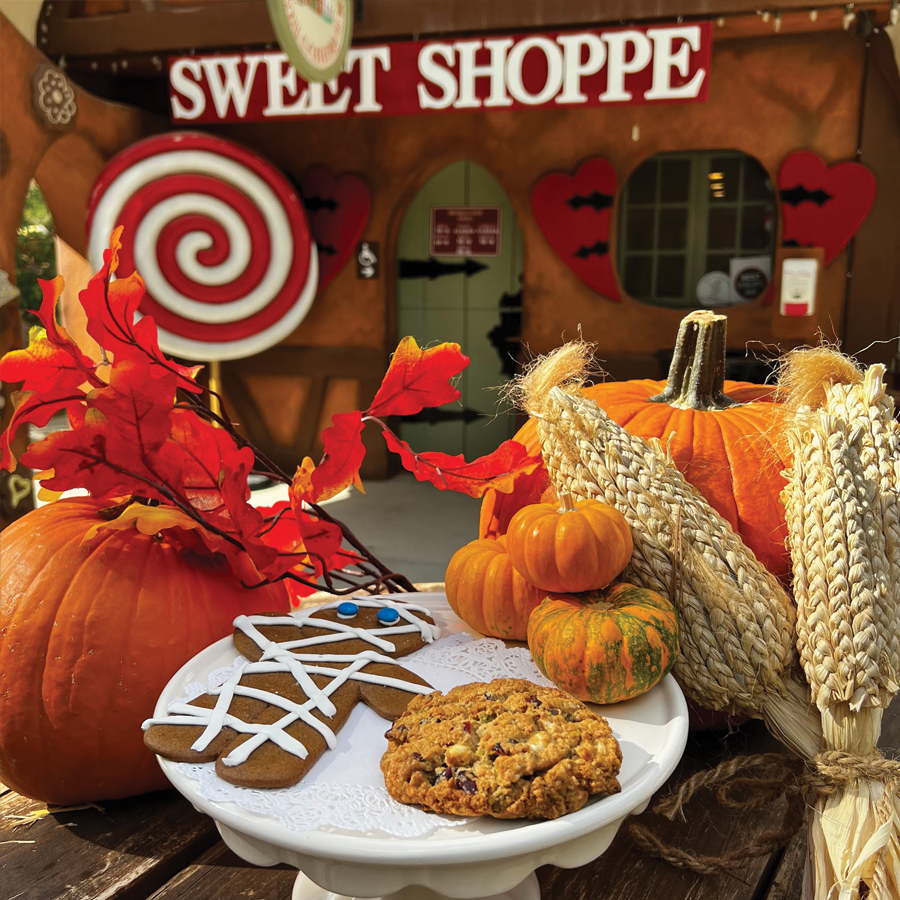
x=768, y=97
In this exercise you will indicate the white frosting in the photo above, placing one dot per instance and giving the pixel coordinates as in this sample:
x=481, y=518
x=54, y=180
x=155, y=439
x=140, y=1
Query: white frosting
x=278, y=657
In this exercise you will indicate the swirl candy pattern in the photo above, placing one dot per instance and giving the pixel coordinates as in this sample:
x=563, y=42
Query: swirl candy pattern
x=219, y=236
x=273, y=718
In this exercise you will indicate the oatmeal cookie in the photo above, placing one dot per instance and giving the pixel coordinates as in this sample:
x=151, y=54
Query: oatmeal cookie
x=508, y=749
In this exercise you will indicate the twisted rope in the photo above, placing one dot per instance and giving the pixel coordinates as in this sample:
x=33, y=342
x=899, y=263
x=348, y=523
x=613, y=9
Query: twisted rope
x=773, y=776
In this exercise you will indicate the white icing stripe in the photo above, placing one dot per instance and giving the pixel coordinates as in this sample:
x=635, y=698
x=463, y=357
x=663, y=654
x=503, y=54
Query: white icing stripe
x=302, y=711
x=278, y=658
x=243, y=751
x=271, y=651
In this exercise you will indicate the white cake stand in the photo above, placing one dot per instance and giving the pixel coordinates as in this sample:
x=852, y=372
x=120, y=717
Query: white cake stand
x=487, y=858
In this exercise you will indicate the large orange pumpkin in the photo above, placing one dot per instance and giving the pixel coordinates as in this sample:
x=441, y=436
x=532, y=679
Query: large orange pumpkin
x=486, y=592
x=571, y=547
x=89, y=635
x=605, y=646
x=722, y=435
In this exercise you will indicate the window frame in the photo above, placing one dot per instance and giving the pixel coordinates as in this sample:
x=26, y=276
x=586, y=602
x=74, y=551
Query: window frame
x=698, y=204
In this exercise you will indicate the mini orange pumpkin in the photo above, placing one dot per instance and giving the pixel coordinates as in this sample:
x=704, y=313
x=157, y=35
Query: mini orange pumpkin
x=486, y=592
x=574, y=547
x=605, y=646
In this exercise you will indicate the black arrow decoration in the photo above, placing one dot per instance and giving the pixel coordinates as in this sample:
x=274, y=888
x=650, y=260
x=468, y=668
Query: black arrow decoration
x=595, y=200
x=506, y=336
x=798, y=194
x=433, y=416
x=432, y=268
x=327, y=249
x=601, y=248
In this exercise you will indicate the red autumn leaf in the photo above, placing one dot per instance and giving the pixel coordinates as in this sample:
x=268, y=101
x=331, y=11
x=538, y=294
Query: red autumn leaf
x=305, y=536
x=115, y=437
x=344, y=453
x=213, y=476
x=51, y=361
x=498, y=470
x=111, y=308
x=30, y=406
x=417, y=379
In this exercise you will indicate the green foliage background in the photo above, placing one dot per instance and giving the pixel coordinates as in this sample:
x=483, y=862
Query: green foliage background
x=35, y=253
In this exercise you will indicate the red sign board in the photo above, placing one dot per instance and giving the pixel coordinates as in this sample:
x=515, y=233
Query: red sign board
x=655, y=64
x=465, y=231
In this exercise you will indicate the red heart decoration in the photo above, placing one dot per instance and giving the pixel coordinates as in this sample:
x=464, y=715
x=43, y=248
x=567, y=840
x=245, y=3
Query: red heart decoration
x=337, y=208
x=824, y=206
x=573, y=212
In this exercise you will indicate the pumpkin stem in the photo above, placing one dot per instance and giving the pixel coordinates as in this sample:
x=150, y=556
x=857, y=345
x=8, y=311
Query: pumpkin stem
x=568, y=502
x=697, y=374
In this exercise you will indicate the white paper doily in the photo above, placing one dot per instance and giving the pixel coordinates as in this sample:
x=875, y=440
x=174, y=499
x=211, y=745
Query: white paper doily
x=344, y=791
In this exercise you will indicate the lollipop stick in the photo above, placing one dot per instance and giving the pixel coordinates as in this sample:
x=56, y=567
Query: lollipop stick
x=215, y=386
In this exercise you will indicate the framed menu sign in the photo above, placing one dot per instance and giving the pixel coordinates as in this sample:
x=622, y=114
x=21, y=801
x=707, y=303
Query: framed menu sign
x=315, y=35
x=465, y=230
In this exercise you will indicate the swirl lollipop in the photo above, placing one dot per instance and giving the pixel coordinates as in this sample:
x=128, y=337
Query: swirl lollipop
x=219, y=236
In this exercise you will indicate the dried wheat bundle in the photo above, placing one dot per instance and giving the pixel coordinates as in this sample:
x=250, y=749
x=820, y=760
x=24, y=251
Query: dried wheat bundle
x=843, y=512
x=738, y=648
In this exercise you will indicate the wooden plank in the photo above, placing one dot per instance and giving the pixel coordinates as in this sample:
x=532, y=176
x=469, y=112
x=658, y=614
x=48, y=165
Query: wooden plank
x=627, y=873
x=219, y=874
x=122, y=853
x=239, y=23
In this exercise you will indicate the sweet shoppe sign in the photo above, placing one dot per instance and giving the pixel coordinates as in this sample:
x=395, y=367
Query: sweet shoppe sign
x=659, y=64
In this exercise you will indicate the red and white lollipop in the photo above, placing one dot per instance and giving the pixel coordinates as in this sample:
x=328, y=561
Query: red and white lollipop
x=219, y=236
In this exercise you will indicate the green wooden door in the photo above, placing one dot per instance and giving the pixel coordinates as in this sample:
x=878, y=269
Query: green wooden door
x=472, y=300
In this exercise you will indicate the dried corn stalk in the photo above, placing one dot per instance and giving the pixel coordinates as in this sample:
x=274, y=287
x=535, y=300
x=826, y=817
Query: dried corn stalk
x=737, y=636
x=843, y=512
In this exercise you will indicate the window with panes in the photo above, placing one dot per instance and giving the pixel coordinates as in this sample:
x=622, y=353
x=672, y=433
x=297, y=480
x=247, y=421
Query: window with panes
x=683, y=215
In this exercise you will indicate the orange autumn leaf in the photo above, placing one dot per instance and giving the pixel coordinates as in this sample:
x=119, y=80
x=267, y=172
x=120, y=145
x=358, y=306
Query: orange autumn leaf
x=344, y=453
x=417, y=379
x=146, y=519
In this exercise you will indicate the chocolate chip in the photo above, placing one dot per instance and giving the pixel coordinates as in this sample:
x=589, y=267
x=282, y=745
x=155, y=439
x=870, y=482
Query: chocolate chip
x=534, y=701
x=499, y=749
x=490, y=696
x=466, y=784
x=418, y=756
x=446, y=775
x=397, y=732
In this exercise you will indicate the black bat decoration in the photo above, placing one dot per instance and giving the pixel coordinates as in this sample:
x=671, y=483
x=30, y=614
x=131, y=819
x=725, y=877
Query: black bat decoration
x=601, y=248
x=596, y=201
x=327, y=249
x=314, y=204
x=798, y=194
x=432, y=268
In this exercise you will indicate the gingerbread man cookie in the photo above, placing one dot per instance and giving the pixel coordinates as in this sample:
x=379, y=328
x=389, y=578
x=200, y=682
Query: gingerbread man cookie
x=273, y=718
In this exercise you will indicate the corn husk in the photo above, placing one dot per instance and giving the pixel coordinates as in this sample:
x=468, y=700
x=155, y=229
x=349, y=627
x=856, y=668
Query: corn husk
x=737, y=637
x=843, y=511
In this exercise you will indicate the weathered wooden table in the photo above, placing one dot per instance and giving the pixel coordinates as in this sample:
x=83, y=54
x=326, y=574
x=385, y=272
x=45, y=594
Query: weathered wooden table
x=157, y=846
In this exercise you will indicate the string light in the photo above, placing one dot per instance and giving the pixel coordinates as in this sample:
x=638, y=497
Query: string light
x=894, y=17
x=813, y=15
x=777, y=22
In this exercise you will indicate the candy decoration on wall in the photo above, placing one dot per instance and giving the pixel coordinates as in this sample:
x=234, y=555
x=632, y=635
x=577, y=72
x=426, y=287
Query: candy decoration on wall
x=823, y=206
x=219, y=236
x=573, y=212
x=338, y=209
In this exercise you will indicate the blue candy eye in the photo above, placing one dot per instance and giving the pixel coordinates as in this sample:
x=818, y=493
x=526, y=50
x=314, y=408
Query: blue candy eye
x=388, y=616
x=347, y=610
